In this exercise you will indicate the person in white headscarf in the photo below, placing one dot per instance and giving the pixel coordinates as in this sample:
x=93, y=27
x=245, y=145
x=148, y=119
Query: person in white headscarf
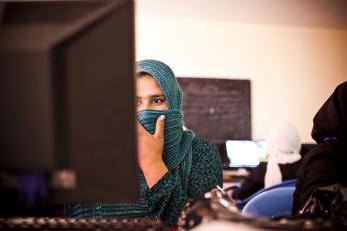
x=283, y=147
x=281, y=162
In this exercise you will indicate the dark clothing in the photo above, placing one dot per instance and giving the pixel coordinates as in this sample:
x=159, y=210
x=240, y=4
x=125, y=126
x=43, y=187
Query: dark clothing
x=255, y=181
x=331, y=119
x=325, y=165
x=322, y=166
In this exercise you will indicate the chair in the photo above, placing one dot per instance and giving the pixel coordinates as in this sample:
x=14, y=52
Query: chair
x=287, y=183
x=276, y=202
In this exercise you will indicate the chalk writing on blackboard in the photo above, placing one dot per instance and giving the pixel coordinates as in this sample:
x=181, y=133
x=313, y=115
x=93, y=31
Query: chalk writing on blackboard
x=217, y=109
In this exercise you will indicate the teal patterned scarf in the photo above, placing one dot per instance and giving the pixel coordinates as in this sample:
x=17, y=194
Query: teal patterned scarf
x=177, y=143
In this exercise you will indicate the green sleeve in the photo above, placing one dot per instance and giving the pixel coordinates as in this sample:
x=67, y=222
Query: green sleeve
x=167, y=197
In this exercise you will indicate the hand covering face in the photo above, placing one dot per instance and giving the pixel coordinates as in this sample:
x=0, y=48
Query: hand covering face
x=177, y=143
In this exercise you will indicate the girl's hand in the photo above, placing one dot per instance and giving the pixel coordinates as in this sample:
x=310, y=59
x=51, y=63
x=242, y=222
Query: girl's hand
x=150, y=152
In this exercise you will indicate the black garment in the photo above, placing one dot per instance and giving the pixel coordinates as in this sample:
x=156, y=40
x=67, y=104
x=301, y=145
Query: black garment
x=255, y=180
x=327, y=163
x=331, y=119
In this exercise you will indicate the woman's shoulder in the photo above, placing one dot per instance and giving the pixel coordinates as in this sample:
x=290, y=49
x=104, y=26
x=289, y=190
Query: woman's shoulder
x=294, y=165
x=203, y=147
x=201, y=143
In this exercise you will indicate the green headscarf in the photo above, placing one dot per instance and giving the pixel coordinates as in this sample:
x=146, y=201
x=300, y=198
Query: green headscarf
x=177, y=153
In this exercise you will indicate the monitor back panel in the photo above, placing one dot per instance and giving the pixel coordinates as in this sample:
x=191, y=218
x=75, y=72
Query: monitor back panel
x=69, y=94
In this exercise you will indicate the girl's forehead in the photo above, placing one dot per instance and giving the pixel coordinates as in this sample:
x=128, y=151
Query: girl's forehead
x=148, y=84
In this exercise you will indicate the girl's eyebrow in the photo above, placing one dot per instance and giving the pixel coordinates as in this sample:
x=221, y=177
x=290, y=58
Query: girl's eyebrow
x=151, y=96
x=157, y=96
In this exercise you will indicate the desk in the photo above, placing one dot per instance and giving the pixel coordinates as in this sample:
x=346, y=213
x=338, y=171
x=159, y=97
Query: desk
x=234, y=177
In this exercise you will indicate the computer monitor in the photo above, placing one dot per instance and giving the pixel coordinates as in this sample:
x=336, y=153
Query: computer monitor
x=67, y=97
x=245, y=153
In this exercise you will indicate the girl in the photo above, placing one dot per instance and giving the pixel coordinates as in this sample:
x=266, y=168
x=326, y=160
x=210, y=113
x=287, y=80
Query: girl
x=175, y=165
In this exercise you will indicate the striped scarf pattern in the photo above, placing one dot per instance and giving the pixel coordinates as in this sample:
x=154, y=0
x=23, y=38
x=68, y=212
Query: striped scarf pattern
x=177, y=153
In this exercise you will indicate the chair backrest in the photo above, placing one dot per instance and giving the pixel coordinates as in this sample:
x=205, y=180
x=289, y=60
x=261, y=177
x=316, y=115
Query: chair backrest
x=287, y=183
x=276, y=202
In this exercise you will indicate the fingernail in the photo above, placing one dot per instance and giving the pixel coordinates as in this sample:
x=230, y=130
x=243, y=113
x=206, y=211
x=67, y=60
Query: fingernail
x=162, y=117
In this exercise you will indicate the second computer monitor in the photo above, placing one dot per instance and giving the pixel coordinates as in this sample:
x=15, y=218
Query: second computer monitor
x=245, y=153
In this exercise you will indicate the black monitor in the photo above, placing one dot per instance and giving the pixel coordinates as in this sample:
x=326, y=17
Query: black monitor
x=67, y=97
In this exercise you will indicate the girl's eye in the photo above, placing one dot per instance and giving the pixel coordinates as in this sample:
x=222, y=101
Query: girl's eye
x=158, y=101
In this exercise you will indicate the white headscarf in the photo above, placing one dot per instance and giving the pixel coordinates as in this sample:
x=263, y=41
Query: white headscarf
x=283, y=147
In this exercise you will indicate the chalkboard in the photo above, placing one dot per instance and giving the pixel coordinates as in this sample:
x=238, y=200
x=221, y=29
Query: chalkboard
x=217, y=109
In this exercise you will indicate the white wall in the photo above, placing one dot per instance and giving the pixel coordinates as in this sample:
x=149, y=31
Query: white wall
x=293, y=69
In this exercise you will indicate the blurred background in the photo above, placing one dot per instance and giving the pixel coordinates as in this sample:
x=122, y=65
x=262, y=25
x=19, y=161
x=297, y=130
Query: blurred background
x=293, y=51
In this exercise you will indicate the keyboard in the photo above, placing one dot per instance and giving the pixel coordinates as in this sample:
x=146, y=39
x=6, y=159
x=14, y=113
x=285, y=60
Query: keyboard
x=45, y=223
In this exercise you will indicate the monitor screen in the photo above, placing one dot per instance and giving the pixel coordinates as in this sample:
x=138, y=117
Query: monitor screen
x=67, y=97
x=245, y=153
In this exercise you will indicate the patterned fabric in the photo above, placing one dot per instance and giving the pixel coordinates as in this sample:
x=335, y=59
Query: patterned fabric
x=167, y=197
x=177, y=143
x=194, y=165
